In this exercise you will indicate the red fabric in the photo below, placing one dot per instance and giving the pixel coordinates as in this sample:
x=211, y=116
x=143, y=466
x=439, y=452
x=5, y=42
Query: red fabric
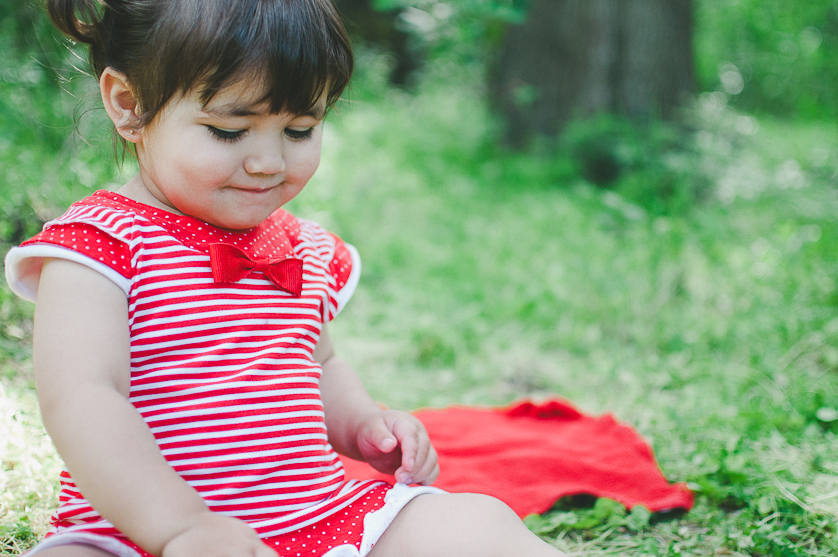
x=224, y=376
x=90, y=241
x=530, y=455
x=230, y=264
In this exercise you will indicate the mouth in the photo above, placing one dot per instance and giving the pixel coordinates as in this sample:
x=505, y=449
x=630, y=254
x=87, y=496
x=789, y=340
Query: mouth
x=254, y=191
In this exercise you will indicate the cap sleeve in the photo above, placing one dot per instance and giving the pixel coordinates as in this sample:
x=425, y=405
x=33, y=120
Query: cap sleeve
x=345, y=269
x=78, y=242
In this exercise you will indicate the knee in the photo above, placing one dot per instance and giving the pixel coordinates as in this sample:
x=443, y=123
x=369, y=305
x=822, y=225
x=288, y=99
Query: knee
x=463, y=516
x=483, y=511
x=459, y=525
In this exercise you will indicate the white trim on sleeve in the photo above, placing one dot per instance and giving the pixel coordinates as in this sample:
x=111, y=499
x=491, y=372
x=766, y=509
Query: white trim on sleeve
x=343, y=295
x=23, y=268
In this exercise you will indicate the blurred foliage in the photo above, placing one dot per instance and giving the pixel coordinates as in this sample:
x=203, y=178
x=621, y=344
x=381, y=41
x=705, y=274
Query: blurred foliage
x=49, y=114
x=774, y=56
x=654, y=166
x=465, y=32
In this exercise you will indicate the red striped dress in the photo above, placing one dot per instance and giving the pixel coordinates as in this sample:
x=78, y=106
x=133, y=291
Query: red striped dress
x=223, y=374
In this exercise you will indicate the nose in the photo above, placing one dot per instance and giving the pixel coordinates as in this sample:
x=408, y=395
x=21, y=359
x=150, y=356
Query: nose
x=267, y=158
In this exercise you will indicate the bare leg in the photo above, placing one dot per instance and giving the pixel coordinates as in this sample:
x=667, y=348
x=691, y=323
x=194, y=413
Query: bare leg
x=74, y=550
x=459, y=525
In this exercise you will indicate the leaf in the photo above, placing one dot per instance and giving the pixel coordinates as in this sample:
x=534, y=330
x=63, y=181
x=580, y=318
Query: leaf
x=638, y=518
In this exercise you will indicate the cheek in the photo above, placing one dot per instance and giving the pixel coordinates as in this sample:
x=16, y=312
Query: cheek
x=307, y=160
x=313, y=164
x=205, y=160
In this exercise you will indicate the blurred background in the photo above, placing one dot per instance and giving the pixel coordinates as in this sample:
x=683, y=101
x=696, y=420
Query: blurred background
x=604, y=88
x=631, y=204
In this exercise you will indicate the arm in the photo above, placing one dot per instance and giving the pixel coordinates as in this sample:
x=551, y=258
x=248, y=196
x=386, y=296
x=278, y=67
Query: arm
x=391, y=441
x=82, y=372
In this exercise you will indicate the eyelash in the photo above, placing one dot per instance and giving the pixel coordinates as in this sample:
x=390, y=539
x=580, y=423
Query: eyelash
x=233, y=136
x=224, y=135
x=299, y=135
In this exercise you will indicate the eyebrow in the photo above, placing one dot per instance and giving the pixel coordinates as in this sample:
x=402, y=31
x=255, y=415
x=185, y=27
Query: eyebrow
x=238, y=110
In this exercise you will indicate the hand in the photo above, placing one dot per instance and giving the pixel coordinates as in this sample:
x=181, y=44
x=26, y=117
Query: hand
x=216, y=535
x=395, y=442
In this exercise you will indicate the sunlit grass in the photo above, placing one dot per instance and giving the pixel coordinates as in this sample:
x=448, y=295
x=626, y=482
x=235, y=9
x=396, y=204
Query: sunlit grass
x=490, y=276
x=713, y=331
x=29, y=466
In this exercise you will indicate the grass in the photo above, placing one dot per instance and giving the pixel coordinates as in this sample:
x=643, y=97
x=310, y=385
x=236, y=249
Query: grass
x=711, y=326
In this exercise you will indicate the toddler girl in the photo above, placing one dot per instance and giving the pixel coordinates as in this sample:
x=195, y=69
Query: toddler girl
x=183, y=364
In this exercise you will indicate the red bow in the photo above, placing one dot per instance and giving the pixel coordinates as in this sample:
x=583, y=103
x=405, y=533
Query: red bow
x=230, y=264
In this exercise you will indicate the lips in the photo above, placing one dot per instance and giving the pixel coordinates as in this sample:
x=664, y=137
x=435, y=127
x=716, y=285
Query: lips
x=254, y=190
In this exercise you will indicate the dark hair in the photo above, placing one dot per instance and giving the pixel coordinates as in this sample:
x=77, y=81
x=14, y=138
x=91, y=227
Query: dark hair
x=296, y=50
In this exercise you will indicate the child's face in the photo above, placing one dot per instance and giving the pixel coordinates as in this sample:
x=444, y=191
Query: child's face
x=230, y=163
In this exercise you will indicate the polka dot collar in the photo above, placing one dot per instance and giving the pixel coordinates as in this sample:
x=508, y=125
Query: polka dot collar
x=273, y=238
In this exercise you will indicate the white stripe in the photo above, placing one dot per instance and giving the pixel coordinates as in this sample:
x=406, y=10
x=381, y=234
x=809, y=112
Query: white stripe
x=296, y=336
x=278, y=366
x=251, y=479
x=243, y=431
x=166, y=359
x=272, y=498
x=242, y=492
x=208, y=412
x=266, y=454
x=253, y=296
x=321, y=461
x=312, y=321
x=205, y=391
x=209, y=302
x=216, y=341
x=298, y=423
x=221, y=398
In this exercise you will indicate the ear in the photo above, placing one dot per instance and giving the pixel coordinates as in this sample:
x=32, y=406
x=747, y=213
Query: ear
x=120, y=104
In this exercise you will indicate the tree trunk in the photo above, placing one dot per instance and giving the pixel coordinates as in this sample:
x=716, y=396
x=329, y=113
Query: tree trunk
x=380, y=28
x=574, y=58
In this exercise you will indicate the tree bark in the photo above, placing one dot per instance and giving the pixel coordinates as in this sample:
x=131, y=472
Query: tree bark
x=380, y=28
x=574, y=58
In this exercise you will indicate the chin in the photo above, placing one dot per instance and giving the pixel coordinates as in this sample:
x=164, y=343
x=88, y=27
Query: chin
x=240, y=224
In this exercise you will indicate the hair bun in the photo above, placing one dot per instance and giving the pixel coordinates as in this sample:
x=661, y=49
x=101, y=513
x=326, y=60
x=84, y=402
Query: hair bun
x=83, y=28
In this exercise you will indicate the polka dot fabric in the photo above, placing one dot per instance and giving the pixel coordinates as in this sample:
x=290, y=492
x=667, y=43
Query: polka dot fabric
x=90, y=241
x=340, y=267
x=276, y=238
x=344, y=528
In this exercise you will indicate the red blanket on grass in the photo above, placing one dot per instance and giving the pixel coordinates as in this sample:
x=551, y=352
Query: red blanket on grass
x=530, y=455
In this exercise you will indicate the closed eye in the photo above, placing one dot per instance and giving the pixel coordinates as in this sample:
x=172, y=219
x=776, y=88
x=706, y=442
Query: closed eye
x=226, y=135
x=299, y=135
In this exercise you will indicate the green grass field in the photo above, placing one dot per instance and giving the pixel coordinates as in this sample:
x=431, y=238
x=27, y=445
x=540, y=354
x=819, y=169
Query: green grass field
x=707, y=318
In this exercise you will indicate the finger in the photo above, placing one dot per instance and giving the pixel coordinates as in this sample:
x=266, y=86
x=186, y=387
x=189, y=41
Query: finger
x=264, y=551
x=431, y=478
x=423, y=450
x=428, y=472
x=414, y=470
x=378, y=437
x=408, y=435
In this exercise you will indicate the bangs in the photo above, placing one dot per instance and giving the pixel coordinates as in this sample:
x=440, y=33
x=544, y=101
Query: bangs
x=296, y=51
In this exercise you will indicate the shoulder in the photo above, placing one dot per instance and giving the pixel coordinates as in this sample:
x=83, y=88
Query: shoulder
x=333, y=261
x=97, y=232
